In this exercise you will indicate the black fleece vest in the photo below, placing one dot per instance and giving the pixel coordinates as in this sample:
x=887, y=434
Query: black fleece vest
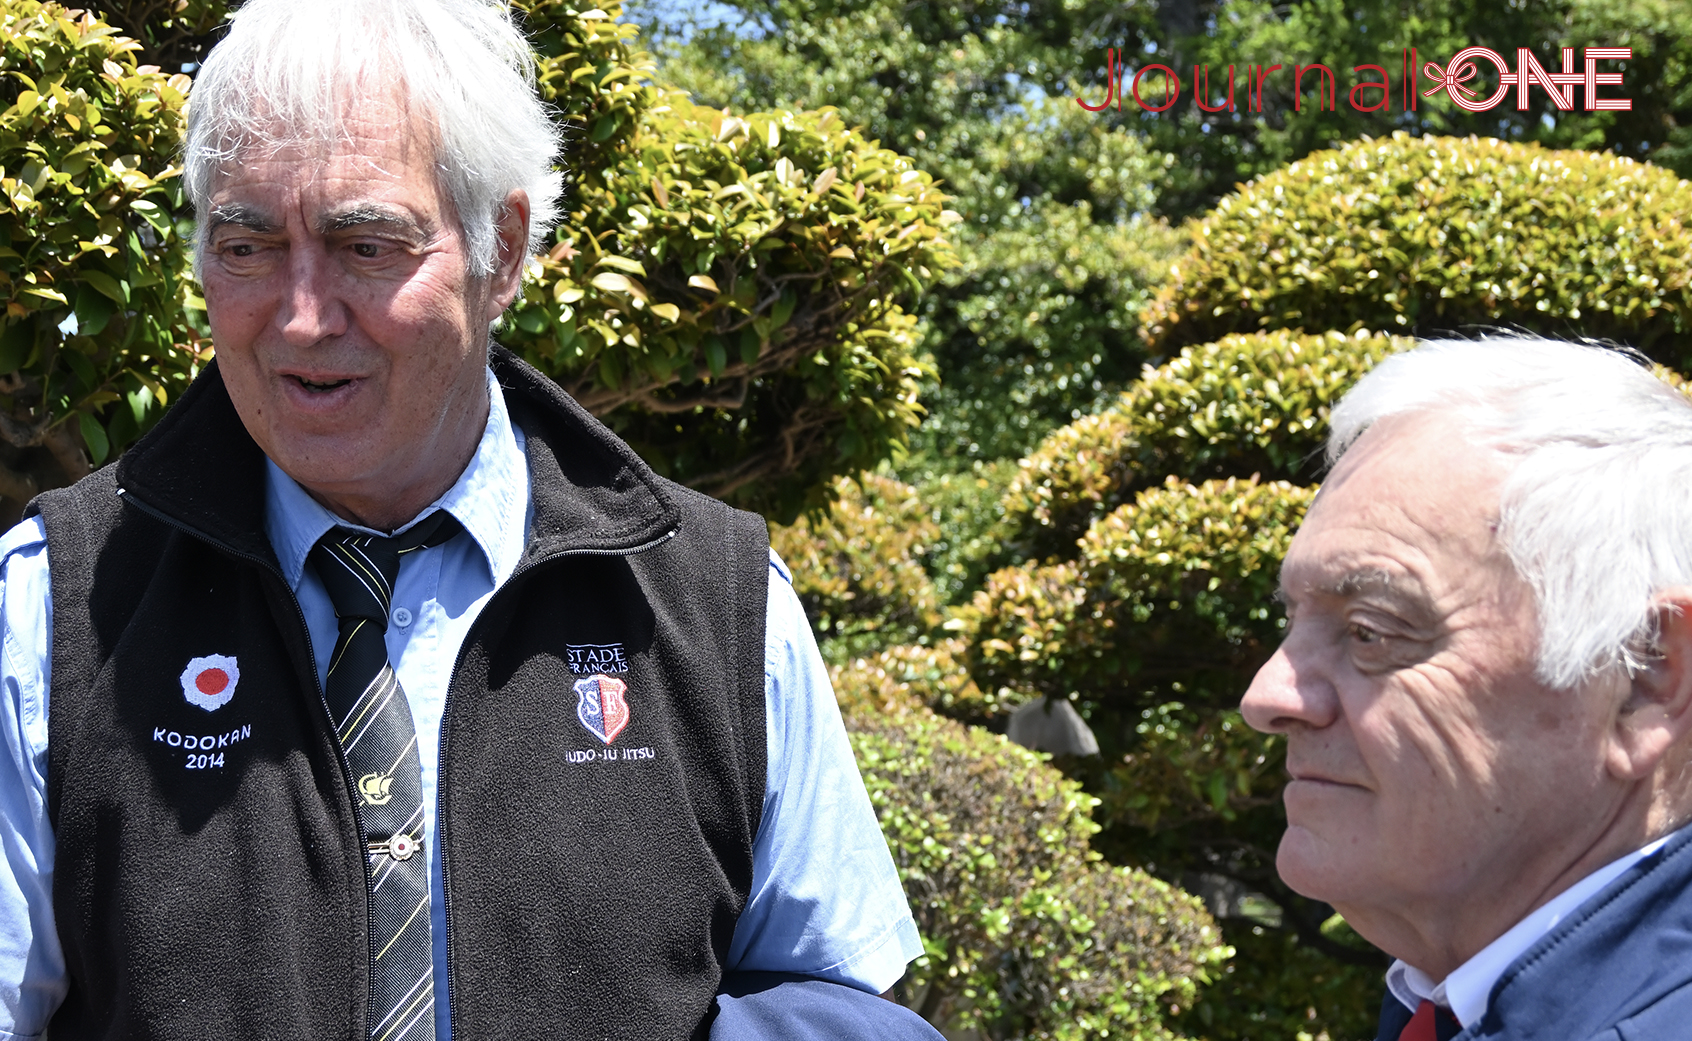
x=210, y=880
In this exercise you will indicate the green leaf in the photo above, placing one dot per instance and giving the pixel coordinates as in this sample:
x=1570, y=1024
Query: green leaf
x=153, y=214
x=93, y=309
x=112, y=288
x=531, y=320
x=633, y=267
x=80, y=364
x=94, y=437
x=783, y=309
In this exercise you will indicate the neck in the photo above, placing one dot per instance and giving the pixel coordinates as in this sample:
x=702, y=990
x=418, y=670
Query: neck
x=1439, y=934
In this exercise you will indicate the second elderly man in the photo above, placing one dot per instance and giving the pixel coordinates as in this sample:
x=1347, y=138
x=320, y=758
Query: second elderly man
x=1486, y=692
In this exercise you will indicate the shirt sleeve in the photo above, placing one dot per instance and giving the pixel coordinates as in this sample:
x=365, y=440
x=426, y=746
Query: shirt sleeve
x=826, y=901
x=32, y=965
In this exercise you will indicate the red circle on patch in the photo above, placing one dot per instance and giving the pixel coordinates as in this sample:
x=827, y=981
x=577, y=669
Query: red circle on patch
x=211, y=681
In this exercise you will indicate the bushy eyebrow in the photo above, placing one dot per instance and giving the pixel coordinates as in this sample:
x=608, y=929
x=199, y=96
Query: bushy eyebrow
x=1371, y=580
x=240, y=216
x=379, y=217
x=1359, y=582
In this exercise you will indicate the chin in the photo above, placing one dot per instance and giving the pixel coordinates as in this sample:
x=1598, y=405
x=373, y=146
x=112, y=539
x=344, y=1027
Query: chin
x=1309, y=866
x=320, y=462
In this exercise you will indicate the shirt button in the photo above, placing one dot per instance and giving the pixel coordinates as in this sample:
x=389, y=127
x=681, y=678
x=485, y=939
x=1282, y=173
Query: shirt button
x=402, y=617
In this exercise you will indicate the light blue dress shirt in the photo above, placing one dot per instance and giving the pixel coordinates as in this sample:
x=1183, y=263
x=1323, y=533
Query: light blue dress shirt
x=825, y=899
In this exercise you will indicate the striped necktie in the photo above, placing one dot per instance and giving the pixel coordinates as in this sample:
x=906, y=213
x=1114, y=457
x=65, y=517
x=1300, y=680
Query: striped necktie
x=373, y=722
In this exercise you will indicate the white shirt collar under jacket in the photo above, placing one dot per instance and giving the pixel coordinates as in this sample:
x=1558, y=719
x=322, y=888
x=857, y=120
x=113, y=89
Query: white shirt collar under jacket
x=489, y=499
x=1469, y=987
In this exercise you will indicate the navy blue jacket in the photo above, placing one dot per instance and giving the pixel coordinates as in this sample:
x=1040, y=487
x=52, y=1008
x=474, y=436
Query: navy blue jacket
x=1618, y=969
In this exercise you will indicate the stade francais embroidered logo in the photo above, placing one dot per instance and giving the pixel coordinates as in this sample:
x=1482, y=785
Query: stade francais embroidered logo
x=602, y=707
x=209, y=682
x=584, y=658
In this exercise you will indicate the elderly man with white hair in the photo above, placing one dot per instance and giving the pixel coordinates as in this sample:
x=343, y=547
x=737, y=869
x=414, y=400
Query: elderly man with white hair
x=1486, y=691
x=380, y=691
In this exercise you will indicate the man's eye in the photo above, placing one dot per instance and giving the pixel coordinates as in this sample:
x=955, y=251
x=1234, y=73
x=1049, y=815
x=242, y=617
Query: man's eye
x=1363, y=634
x=240, y=249
x=367, y=250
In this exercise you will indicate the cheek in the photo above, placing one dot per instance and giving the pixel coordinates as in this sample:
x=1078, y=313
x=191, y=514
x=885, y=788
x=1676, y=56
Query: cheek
x=426, y=324
x=236, y=309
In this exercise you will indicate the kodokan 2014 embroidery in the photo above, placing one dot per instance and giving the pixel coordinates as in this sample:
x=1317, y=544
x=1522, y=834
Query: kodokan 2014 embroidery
x=209, y=683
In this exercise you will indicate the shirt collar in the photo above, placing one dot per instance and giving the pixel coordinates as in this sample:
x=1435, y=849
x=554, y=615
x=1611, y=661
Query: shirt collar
x=1467, y=991
x=490, y=498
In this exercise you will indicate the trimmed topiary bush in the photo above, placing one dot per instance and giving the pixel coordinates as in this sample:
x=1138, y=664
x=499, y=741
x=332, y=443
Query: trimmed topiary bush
x=1027, y=933
x=745, y=267
x=858, y=568
x=1249, y=404
x=726, y=291
x=1419, y=235
x=1175, y=587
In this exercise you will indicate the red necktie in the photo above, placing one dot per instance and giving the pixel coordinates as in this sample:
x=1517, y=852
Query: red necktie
x=1423, y=1026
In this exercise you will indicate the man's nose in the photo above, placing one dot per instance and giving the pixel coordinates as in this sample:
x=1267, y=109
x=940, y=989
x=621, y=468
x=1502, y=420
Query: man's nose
x=1289, y=691
x=311, y=307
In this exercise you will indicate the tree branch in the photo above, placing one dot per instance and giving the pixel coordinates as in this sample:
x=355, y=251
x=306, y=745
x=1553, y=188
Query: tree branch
x=19, y=434
x=733, y=395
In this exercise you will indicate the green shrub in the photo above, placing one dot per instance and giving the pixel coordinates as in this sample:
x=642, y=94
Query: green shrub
x=1153, y=631
x=95, y=340
x=172, y=33
x=1027, y=933
x=901, y=677
x=1278, y=988
x=727, y=291
x=858, y=568
x=1418, y=235
x=591, y=70
x=1177, y=584
x=1248, y=404
x=967, y=506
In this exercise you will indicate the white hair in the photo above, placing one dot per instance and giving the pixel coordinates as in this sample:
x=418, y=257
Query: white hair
x=289, y=71
x=1596, y=511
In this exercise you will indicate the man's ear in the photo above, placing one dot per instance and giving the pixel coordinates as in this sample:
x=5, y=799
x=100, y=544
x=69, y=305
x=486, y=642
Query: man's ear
x=1657, y=714
x=511, y=253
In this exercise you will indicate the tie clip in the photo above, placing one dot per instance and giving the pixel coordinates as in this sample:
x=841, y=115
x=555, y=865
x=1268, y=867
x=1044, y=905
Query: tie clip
x=400, y=847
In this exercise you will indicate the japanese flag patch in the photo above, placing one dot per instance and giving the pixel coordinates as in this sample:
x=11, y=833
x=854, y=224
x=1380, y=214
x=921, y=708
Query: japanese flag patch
x=209, y=682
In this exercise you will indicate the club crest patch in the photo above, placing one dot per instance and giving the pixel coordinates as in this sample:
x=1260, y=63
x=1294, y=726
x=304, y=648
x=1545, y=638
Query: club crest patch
x=209, y=682
x=602, y=707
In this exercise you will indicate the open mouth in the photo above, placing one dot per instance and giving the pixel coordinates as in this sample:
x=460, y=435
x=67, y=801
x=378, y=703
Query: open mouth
x=323, y=387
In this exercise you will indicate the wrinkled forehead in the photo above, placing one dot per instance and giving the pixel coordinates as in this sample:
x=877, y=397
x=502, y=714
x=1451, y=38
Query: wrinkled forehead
x=376, y=156
x=370, y=121
x=1416, y=494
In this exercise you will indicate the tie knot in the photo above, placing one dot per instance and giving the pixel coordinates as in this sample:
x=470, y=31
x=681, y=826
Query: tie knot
x=358, y=570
